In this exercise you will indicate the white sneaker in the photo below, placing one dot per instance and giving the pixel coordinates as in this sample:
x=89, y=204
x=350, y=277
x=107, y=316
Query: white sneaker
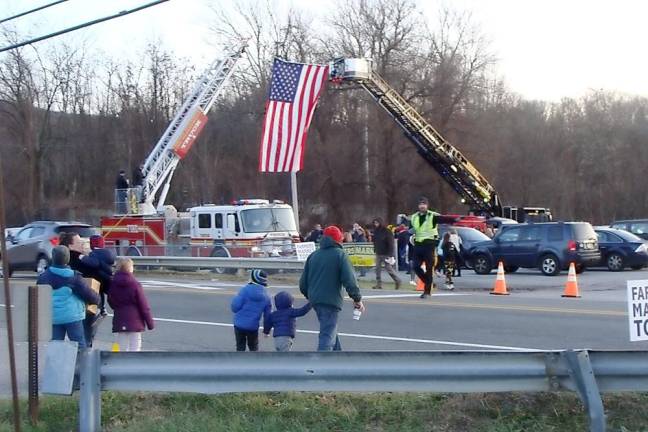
x=412, y=283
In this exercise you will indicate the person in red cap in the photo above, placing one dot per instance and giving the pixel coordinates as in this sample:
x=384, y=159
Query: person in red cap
x=326, y=271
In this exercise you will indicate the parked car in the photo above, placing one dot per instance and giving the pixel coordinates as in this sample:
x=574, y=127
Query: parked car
x=469, y=237
x=638, y=227
x=550, y=247
x=31, y=247
x=621, y=249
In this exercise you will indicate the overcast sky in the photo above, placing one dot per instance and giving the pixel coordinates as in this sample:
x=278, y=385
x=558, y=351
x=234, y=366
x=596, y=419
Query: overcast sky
x=547, y=49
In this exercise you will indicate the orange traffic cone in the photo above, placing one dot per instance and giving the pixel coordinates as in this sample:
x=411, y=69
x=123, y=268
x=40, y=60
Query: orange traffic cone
x=420, y=285
x=571, y=287
x=500, y=282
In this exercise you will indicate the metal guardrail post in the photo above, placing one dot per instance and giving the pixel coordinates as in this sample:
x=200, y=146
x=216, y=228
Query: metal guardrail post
x=90, y=388
x=32, y=318
x=580, y=370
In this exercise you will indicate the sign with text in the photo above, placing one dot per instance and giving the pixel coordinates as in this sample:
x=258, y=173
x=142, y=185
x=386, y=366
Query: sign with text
x=304, y=249
x=638, y=310
x=360, y=254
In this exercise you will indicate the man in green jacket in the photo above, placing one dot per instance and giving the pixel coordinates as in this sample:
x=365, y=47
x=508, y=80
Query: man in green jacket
x=326, y=271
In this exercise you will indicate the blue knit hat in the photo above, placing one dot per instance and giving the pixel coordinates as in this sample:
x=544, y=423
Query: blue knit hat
x=259, y=277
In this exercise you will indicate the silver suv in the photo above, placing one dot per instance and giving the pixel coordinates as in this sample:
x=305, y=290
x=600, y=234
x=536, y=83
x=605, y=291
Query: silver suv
x=31, y=247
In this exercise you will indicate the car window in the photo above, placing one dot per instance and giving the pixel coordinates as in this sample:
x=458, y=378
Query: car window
x=530, y=233
x=628, y=236
x=583, y=231
x=472, y=235
x=613, y=238
x=639, y=228
x=82, y=230
x=602, y=236
x=621, y=226
x=23, y=234
x=510, y=234
x=37, y=231
x=555, y=233
x=205, y=220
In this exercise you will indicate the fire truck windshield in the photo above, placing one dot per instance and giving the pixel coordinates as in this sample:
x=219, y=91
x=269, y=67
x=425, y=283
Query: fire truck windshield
x=268, y=220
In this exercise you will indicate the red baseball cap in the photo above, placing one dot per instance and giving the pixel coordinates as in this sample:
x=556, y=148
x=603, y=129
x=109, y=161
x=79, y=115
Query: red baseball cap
x=334, y=232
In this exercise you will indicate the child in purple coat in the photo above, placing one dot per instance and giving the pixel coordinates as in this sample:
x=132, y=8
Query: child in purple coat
x=284, y=320
x=132, y=311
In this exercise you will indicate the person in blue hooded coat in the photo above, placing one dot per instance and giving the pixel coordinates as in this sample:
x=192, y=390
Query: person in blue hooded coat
x=70, y=294
x=284, y=320
x=250, y=303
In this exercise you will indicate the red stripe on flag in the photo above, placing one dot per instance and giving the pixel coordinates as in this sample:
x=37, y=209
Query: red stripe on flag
x=323, y=72
x=262, y=148
x=299, y=105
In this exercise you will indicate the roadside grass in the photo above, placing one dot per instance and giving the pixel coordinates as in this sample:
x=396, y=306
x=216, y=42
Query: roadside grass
x=511, y=412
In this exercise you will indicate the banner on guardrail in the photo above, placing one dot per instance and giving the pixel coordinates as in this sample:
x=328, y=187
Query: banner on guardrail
x=638, y=310
x=361, y=254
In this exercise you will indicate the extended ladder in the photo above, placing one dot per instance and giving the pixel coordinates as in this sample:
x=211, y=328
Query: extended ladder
x=178, y=138
x=446, y=159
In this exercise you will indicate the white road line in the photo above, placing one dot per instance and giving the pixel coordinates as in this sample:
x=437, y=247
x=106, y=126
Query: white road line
x=377, y=296
x=179, y=285
x=364, y=336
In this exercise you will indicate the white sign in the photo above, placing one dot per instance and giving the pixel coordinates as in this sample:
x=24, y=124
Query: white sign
x=304, y=249
x=638, y=310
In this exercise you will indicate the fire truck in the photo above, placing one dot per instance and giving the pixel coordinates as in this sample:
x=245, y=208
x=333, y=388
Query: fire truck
x=245, y=228
x=472, y=187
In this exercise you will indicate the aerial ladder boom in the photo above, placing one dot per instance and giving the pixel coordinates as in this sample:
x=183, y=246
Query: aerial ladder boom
x=186, y=126
x=446, y=159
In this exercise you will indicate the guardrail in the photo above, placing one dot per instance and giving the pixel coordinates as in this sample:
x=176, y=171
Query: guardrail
x=214, y=262
x=587, y=373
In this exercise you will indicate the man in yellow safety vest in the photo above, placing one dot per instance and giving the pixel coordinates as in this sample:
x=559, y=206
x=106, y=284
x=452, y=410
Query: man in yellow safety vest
x=426, y=239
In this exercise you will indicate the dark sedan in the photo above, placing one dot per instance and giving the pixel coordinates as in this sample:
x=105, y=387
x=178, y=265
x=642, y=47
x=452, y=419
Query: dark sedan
x=620, y=249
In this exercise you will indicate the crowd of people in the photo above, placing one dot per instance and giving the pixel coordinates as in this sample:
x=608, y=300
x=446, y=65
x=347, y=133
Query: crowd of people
x=82, y=283
x=413, y=243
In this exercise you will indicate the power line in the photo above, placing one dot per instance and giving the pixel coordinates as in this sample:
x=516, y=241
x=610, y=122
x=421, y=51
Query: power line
x=32, y=11
x=80, y=26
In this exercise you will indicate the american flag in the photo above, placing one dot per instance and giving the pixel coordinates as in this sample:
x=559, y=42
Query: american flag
x=294, y=91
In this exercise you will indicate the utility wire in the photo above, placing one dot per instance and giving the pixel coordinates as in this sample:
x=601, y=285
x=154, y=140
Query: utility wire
x=32, y=11
x=80, y=26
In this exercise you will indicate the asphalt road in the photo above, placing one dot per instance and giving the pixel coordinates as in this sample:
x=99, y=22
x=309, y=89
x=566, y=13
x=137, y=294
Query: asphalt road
x=192, y=313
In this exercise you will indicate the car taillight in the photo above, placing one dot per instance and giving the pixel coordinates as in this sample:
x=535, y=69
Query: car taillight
x=54, y=241
x=571, y=246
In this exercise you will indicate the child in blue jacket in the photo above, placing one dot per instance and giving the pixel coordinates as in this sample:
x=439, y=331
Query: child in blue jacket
x=284, y=320
x=250, y=303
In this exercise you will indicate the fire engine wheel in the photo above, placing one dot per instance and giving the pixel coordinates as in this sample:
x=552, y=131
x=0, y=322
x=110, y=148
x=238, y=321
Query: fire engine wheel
x=222, y=253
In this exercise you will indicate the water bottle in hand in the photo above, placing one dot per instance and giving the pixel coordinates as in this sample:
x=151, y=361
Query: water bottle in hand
x=356, y=314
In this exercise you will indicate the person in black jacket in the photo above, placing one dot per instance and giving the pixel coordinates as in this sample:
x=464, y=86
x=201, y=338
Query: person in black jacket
x=79, y=263
x=383, y=241
x=102, y=261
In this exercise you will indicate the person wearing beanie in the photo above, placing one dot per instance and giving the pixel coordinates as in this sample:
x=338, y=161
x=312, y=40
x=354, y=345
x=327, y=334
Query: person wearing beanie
x=326, y=272
x=384, y=248
x=69, y=297
x=101, y=262
x=284, y=320
x=424, y=227
x=251, y=302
